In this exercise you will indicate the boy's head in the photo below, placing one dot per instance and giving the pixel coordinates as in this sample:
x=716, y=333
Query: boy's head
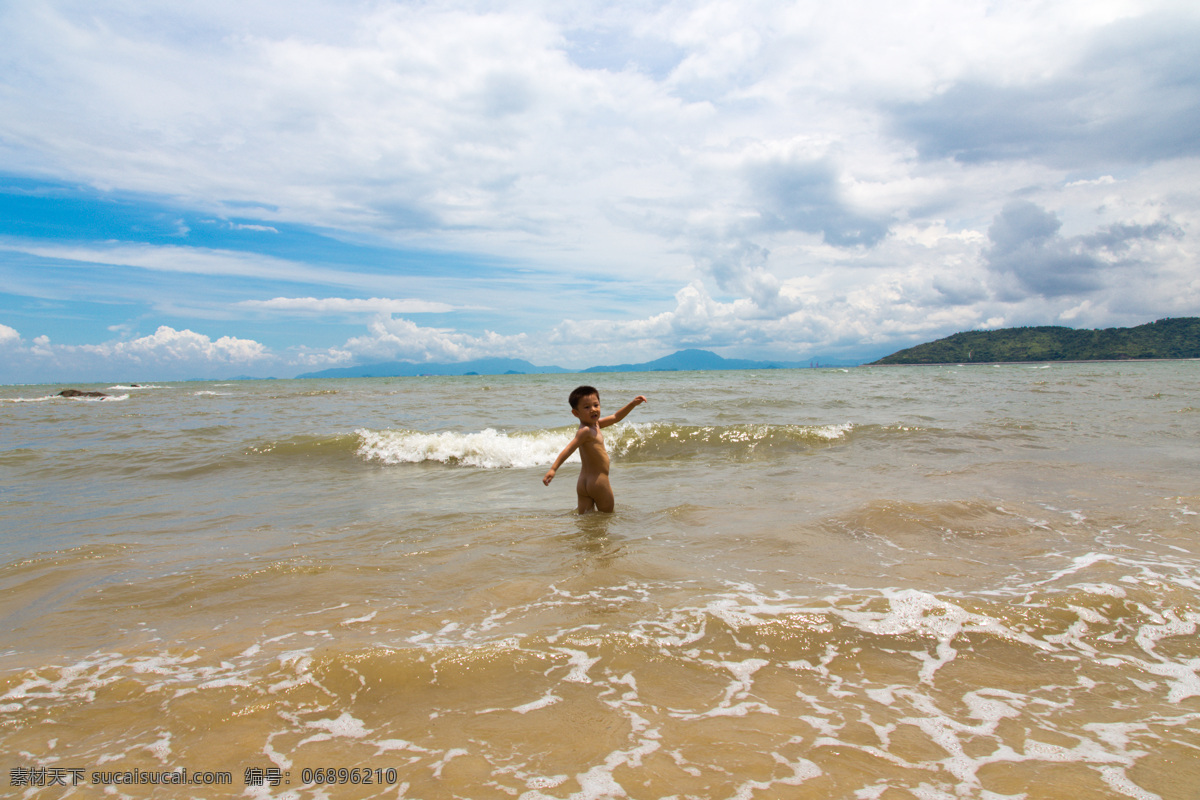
x=580, y=393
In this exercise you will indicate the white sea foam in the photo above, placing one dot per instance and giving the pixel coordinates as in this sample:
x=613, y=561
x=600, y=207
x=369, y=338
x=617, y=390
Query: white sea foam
x=965, y=728
x=580, y=662
x=344, y=725
x=1080, y=563
x=545, y=700
x=735, y=703
x=1106, y=589
x=111, y=398
x=489, y=449
x=393, y=745
x=161, y=748
x=831, y=432
x=802, y=770
x=446, y=759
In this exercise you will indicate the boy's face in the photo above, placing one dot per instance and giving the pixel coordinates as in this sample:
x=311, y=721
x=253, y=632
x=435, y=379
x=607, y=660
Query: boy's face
x=587, y=410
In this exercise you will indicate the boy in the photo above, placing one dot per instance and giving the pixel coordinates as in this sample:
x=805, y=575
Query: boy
x=593, y=487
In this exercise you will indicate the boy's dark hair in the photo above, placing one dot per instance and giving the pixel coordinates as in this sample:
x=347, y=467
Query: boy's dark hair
x=582, y=392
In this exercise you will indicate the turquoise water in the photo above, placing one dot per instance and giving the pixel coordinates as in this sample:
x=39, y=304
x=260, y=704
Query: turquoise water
x=873, y=583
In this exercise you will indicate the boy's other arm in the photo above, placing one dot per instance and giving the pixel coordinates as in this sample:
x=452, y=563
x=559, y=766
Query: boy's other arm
x=564, y=455
x=624, y=412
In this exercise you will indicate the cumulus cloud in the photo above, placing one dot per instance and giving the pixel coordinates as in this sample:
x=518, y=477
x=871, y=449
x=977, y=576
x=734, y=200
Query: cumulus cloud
x=167, y=353
x=856, y=321
x=739, y=267
x=392, y=338
x=170, y=345
x=8, y=335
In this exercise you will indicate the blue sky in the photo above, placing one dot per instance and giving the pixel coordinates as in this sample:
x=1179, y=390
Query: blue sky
x=269, y=188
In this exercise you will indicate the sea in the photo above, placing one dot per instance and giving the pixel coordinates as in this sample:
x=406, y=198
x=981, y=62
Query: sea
x=961, y=581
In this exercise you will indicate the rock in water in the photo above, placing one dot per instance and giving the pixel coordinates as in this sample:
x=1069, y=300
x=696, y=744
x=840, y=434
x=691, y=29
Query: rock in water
x=77, y=393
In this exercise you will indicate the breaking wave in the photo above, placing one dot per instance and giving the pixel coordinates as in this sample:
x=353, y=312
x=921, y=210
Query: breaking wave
x=491, y=449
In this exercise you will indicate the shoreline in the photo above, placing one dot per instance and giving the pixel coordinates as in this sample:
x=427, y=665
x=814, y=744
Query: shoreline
x=112, y=384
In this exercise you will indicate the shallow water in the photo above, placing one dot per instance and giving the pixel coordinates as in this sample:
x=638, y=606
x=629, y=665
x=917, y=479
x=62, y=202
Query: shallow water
x=871, y=583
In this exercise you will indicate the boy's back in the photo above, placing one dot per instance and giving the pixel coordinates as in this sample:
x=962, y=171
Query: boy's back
x=593, y=488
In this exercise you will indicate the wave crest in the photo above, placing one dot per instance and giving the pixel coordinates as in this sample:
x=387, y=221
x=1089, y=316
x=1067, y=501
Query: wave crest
x=652, y=440
x=491, y=449
x=488, y=449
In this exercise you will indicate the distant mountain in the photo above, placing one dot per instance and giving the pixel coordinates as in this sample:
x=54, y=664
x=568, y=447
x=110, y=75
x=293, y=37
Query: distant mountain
x=696, y=360
x=680, y=361
x=1166, y=338
x=398, y=369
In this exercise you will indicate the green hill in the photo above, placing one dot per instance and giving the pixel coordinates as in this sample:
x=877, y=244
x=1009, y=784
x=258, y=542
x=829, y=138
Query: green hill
x=1166, y=338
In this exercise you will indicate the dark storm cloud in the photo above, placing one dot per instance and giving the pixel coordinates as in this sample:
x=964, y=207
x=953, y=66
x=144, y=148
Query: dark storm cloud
x=1119, y=237
x=804, y=197
x=1026, y=245
x=1133, y=97
x=1031, y=258
x=957, y=290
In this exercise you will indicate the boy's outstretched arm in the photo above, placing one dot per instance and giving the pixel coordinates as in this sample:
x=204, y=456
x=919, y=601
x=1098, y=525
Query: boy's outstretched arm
x=624, y=412
x=563, y=456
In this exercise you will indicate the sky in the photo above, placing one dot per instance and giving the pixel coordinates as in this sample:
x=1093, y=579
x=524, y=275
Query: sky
x=207, y=190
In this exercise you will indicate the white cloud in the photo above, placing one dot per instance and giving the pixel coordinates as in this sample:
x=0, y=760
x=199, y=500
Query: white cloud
x=171, y=346
x=260, y=228
x=8, y=335
x=806, y=176
x=391, y=338
x=193, y=260
x=166, y=354
x=209, y=262
x=325, y=305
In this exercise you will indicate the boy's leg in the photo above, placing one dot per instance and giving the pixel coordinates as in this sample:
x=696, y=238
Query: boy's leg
x=586, y=503
x=599, y=492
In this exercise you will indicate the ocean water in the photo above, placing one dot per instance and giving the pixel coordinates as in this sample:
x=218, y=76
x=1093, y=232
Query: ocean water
x=917, y=582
